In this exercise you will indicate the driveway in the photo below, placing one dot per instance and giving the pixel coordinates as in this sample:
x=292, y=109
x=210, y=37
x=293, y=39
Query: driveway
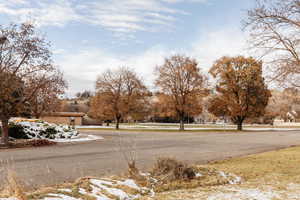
x=66, y=162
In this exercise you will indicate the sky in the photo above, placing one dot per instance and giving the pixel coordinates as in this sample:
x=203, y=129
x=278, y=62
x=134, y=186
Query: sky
x=90, y=36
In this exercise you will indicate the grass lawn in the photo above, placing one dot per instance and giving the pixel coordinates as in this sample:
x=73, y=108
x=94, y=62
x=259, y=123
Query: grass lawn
x=266, y=176
x=156, y=130
x=282, y=165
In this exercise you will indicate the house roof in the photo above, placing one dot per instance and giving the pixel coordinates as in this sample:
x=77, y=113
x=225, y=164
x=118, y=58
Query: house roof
x=65, y=114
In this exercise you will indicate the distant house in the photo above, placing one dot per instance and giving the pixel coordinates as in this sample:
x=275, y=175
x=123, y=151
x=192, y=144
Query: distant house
x=64, y=118
x=294, y=114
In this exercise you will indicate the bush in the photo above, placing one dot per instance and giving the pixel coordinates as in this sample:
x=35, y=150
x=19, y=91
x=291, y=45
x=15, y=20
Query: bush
x=30, y=143
x=172, y=169
x=39, y=143
x=49, y=133
x=17, y=131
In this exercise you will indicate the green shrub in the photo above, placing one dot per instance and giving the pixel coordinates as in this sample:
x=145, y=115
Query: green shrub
x=49, y=133
x=17, y=131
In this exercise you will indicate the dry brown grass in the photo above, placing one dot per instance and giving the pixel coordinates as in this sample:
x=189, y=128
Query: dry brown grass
x=21, y=143
x=172, y=174
x=277, y=171
x=170, y=169
x=14, y=187
x=281, y=165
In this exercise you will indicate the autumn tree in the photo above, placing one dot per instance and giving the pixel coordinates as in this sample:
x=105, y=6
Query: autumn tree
x=84, y=95
x=241, y=89
x=46, y=98
x=274, y=27
x=183, y=86
x=217, y=106
x=99, y=109
x=119, y=93
x=25, y=67
x=162, y=107
x=283, y=102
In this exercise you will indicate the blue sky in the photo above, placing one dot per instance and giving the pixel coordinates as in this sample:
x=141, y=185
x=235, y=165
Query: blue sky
x=90, y=36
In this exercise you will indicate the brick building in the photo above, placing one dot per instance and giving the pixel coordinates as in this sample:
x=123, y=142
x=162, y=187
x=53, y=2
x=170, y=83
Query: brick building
x=64, y=117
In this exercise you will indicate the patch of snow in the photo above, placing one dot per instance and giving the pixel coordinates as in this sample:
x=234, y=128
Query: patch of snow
x=232, y=178
x=59, y=197
x=144, y=174
x=95, y=194
x=148, y=177
x=222, y=174
x=110, y=187
x=82, y=138
x=113, y=191
x=198, y=175
x=251, y=194
x=235, y=180
x=129, y=183
x=65, y=190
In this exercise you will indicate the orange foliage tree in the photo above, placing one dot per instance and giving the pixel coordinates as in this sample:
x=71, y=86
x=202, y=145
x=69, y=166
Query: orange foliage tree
x=182, y=86
x=241, y=89
x=119, y=94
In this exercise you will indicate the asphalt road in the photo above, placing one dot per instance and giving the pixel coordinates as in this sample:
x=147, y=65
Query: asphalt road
x=66, y=162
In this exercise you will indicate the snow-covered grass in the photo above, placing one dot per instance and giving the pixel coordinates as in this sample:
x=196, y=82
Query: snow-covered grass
x=95, y=188
x=124, y=188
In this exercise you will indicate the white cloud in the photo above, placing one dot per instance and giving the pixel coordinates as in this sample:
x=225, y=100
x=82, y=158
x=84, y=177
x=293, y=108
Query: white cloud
x=113, y=15
x=215, y=44
x=82, y=68
x=56, y=13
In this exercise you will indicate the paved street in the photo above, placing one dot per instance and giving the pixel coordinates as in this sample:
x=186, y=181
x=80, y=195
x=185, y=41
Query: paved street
x=67, y=162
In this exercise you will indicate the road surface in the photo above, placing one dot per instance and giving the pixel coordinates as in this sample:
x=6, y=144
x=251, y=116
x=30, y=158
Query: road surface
x=66, y=162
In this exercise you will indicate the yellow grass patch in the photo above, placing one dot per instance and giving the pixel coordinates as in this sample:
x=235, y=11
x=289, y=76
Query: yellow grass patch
x=281, y=165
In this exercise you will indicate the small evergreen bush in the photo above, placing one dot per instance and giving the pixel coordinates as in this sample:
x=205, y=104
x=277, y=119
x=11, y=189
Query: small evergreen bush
x=17, y=131
x=49, y=133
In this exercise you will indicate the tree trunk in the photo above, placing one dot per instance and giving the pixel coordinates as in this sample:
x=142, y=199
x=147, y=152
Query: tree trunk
x=240, y=125
x=4, y=137
x=181, y=123
x=118, y=122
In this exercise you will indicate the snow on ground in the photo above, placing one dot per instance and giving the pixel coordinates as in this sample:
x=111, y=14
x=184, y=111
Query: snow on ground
x=59, y=197
x=80, y=138
x=106, y=189
x=38, y=129
x=241, y=194
x=232, y=178
x=101, y=189
x=262, y=193
x=234, y=192
x=11, y=198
